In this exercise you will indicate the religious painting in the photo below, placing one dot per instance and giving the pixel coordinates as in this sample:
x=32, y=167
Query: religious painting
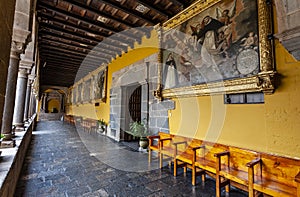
x=87, y=90
x=100, y=85
x=216, y=46
x=79, y=93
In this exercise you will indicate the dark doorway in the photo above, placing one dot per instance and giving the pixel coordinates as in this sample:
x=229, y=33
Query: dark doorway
x=133, y=109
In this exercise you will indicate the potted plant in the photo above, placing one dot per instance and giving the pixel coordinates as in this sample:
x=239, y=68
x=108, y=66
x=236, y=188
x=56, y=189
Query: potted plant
x=139, y=129
x=102, y=126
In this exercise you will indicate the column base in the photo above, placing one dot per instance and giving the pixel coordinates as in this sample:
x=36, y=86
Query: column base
x=8, y=144
x=19, y=127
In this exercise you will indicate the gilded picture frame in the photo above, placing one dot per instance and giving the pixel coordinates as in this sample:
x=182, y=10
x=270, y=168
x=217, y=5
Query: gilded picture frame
x=238, y=59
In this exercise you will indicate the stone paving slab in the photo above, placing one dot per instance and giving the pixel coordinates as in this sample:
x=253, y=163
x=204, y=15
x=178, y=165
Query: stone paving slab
x=65, y=161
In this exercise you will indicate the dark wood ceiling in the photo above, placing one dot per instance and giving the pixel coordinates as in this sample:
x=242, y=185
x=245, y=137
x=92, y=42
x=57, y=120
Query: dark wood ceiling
x=77, y=36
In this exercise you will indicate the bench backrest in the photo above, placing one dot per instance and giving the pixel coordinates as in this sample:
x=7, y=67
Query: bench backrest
x=240, y=157
x=208, y=153
x=163, y=135
x=281, y=169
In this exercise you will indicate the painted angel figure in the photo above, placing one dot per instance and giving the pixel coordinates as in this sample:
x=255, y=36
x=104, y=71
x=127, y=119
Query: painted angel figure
x=224, y=16
x=250, y=41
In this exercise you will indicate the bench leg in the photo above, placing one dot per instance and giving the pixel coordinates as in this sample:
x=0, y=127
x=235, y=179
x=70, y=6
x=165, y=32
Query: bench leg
x=218, y=186
x=203, y=177
x=149, y=155
x=298, y=189
x=175, y=167
x=161, y=157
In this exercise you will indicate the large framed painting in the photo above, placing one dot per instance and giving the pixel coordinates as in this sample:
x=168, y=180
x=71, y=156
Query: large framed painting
x=100, y=84
x=79, y=93
x=216, y=47
x=87, y=91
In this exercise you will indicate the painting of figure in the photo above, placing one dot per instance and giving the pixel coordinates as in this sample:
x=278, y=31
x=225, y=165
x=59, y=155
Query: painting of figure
x=219, y=43
x=100, y=85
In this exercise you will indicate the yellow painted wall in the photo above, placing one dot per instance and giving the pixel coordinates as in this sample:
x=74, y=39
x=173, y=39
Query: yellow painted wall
x=140, y=51
x=272, y=127
x=53, y=103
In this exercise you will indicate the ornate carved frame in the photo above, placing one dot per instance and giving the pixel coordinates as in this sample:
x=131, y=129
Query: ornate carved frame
x=262, y=82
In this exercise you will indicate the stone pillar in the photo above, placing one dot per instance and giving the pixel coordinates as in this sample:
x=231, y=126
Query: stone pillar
x=18, y=118
x=62, y=103
x=20, y=38
x=44, y=103
x=16, y=50
x=7, y=9
x=28, y=97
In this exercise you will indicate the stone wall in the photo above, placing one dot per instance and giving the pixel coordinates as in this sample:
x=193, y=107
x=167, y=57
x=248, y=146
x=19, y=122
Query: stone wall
x=153, y=111
x=12, y=161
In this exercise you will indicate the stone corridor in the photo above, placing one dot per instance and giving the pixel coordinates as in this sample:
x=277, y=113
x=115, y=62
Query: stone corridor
x=65, y=161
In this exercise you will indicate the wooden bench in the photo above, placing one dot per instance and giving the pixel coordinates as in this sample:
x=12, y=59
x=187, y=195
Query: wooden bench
x=69, y=119
x=232, y=168
x=89, y=124
x=279, y=176
x=158, y=142
x=252, y=171
x=199, y=156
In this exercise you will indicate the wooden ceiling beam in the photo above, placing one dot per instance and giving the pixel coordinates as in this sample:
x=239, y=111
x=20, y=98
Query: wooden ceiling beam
x=66, y=57
x=54, y=47
x=99, y=13
x=87, y=21
x=160, y=12
x=68, y=36
x=63, y=23
x=75, y=48
x=90, y=48
x=178, y=3
x=59, y=51
x=68, y=65
x=117, y=42
x=119, y=7
x=50, y=27
x=61, y=58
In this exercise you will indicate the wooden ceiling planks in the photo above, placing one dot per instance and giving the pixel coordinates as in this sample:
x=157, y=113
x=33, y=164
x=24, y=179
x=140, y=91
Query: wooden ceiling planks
x=82, y=34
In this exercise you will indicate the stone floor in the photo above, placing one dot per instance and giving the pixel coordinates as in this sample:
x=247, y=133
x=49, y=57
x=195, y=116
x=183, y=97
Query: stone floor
x=65, y=161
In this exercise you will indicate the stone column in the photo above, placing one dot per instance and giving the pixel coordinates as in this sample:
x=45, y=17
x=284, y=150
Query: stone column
x=28, y=97
x=20, y=38
x=62, y=103
x=16, y=50
x=18, y=118
x=7, y=9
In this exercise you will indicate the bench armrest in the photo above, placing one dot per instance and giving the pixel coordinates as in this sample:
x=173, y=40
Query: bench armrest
x=165, y=139
x=177, y=143
x=153, y=137
x=222, y=154
x=297, y=177
x=198, y=147
x=161, y=142
x=253, y=162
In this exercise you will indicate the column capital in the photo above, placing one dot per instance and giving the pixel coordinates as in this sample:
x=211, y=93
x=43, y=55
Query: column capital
x=16, y=49
x=19, y=42
x=26, y=64
x=23, y=73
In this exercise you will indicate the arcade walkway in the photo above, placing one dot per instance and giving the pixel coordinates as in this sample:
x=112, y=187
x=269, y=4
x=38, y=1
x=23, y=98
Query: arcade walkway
x=65, y=161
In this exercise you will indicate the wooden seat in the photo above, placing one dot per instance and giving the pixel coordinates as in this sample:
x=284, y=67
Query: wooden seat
x=279, y=176
x=252, y=171
x=234, y=169
x=159, y=143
